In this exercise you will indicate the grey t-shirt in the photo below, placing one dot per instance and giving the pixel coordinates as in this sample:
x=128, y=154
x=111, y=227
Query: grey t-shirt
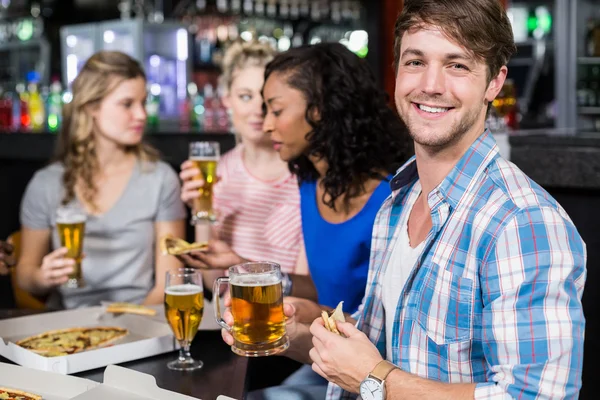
x=119, y=245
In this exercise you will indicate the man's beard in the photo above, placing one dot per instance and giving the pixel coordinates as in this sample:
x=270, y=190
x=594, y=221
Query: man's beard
x=451, y=135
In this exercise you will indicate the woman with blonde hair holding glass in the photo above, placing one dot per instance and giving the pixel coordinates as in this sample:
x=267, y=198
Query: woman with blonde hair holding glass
x=256, y=199
x=130, y=197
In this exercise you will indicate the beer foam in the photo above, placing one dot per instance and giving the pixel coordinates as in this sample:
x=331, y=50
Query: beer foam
x=70, y=218
x=183, y=290
x=255, y=280
x=204, y=158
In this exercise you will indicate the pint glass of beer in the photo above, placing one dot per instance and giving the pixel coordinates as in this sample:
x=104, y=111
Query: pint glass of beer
x=257, y=308
x=184, y=306
x=70, y=224
x=205, y=156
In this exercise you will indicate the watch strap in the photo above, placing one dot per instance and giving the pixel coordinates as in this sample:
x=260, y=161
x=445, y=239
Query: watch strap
x=382, y=370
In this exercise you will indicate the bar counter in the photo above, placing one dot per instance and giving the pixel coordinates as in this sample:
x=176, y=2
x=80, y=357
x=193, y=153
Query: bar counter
x=567, y=165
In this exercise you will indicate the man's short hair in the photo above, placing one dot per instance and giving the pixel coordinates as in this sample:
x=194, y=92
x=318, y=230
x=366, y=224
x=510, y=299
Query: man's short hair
x=480, y=26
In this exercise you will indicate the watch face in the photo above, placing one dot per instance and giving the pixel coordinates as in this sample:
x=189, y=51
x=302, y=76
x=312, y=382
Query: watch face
x=370, y=389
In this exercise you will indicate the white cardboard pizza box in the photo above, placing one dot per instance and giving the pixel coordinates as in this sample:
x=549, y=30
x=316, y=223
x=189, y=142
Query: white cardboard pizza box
x=147, y=337
x=49, y=385
x=126, y=384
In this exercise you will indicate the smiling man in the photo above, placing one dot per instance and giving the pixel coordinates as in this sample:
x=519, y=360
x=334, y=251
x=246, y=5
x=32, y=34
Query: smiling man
x=476, y=272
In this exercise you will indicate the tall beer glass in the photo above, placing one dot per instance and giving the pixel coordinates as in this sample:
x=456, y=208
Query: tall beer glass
x=205, y=156
x=184, y=306
x=257, y=308
x=70, y=224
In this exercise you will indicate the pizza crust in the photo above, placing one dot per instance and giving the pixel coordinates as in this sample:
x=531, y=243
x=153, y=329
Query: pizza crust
x=15, y=392
x=171, y=245
x=130, y=308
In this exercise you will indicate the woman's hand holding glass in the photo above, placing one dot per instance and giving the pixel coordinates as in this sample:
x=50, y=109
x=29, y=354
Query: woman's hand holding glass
x=189, y=189
x=55, y=269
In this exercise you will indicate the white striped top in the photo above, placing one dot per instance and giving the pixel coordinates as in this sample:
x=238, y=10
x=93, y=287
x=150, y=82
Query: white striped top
x=259, y=219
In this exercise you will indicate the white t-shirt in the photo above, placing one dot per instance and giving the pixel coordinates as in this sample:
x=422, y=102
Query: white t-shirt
x=401, y=263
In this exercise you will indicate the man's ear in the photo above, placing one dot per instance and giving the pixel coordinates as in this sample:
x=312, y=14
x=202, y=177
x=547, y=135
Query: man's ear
x=496, y=84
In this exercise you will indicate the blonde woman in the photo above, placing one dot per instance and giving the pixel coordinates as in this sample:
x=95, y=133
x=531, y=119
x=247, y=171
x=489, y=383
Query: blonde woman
x=131, y=197
x=257, y=198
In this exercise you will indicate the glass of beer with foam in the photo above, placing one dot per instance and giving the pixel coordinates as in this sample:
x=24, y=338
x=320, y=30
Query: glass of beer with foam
x=257, y=308
x=184, y=306
x=204, y=156
x=70, y=224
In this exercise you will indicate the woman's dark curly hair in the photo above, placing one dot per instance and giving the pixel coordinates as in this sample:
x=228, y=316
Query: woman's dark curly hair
x=358, y=135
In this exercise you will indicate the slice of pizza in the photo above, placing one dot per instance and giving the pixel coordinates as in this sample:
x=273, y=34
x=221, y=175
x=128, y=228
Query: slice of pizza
x=130, y=308
x=73, y=340
x=14, y=394
x=174, y=246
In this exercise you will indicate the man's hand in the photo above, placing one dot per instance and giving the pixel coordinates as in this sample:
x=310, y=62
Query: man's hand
x=6, y=258
x=345, y=361
x=218, y=256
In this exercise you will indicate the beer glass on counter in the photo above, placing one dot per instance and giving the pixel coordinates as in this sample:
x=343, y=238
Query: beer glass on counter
x=257, y=308
x=70, y=224
x=184, y=306
x=204, y=156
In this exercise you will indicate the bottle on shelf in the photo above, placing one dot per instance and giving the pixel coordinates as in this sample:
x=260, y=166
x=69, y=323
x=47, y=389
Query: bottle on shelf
x=209, y=109
x=54, y=107
x=6, y=112
x=592, y=44
x=153, y=105
x=35, y=104
x=197, y=107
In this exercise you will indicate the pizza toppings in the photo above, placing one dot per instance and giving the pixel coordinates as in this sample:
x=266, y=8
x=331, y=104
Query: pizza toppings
x=14, y=394
x=73, y=340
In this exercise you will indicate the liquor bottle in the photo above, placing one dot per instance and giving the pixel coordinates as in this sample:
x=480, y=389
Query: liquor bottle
x=590, y=45
x=209, y=110
x=5, y=111
x=153, y=105
x=54, y=107
x=36, y=108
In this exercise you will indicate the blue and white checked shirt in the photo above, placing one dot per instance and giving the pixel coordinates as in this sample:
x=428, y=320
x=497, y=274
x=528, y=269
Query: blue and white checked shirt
x=495, y=298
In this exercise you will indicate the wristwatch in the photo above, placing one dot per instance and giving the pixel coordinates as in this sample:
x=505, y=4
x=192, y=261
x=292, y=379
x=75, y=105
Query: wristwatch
x=286, y=284
x=373, y=387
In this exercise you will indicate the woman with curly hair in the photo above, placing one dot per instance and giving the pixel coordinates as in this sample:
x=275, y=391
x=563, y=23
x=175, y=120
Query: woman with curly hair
x=130, y=197
x=329, y=120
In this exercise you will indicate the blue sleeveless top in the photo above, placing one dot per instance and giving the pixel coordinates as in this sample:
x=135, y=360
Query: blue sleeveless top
x=338, y=254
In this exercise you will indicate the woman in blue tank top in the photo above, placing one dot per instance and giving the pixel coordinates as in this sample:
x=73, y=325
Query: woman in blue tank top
x=329, y=120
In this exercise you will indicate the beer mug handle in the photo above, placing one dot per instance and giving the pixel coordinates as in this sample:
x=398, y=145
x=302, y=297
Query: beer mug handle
x=216, y=290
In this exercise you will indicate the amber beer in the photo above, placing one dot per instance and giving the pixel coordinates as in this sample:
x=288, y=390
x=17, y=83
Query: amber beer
x=71, y=230
x=257, y=310
x=184, y=307
x=203, y=208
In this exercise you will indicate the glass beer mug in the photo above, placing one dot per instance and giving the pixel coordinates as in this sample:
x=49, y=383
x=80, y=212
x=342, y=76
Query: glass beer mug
x=257, y=308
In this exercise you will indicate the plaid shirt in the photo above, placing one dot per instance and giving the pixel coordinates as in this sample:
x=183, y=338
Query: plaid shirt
x=495, y=298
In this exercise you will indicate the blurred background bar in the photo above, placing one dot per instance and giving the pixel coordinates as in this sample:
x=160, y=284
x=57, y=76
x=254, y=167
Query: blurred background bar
x=546, y=119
